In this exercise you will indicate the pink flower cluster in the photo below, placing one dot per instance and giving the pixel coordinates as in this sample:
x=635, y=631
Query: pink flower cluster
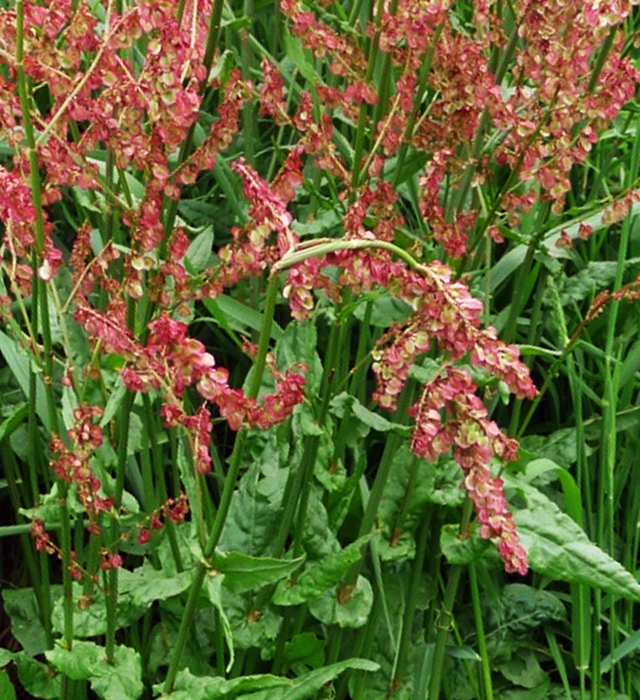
x=140, y=110
x=545, y=111
x=71, y=462
x=238, y=409
x=450, y=416
x=175, y=510
x=170, y=361
x=444, y=312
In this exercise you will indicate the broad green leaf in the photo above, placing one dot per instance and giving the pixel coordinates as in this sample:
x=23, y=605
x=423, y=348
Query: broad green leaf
x=385, y=310
x=134, y=185
x=372, y=420
x=597, y=275
x=461, y=550
x=526, y=608
x=198, y=256
x=306, y=421
x=328, y=220
x=86, y=661
x=301, y=60
x=560, y=446
x=68, y=404
x=319, y=577
x=145, y=584
x=573, y=499
x=539, y=692
x=251, y=626
x=90, y=612
x=253, y=520
x=7, y=691
x=192, y=485
x=630, y=365
x=137, y=589
x=299, y=345
x=344, y=606
x=319, y=538
x=21, y=606
x=242, y=572
x=304, y=649
x=5, y=657
x=311, y=684
x=197, y=212
x=222, y=69
x=49, y=509
x=263, y=687
x=190, y=687
x=557, y=547
x=412, y=485
x=35, y=677
x=116, y=397
x=523, y=669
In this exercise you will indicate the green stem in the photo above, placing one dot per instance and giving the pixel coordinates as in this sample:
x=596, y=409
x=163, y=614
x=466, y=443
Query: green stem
x=324, y=246
x=185, y=149
x=417, y=103
x=445, y=617
x=186, y=624
x=111, y=598
x=386, y=463
x=417, y=577
x=363, y=114
x=41, y=586
x=482, y=642
x=41, y=308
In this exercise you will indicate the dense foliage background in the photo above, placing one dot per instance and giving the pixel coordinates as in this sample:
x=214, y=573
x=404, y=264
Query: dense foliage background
x=319, y=349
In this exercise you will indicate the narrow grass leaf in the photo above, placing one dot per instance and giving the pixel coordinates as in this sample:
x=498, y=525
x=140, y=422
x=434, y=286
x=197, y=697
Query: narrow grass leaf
x=213, y=590
x=630, y=645
x=9, y=424
x=18, y=361
x=238, y=316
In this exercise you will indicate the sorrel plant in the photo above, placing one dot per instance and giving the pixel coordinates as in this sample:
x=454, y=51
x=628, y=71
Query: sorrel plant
x=246, y=308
